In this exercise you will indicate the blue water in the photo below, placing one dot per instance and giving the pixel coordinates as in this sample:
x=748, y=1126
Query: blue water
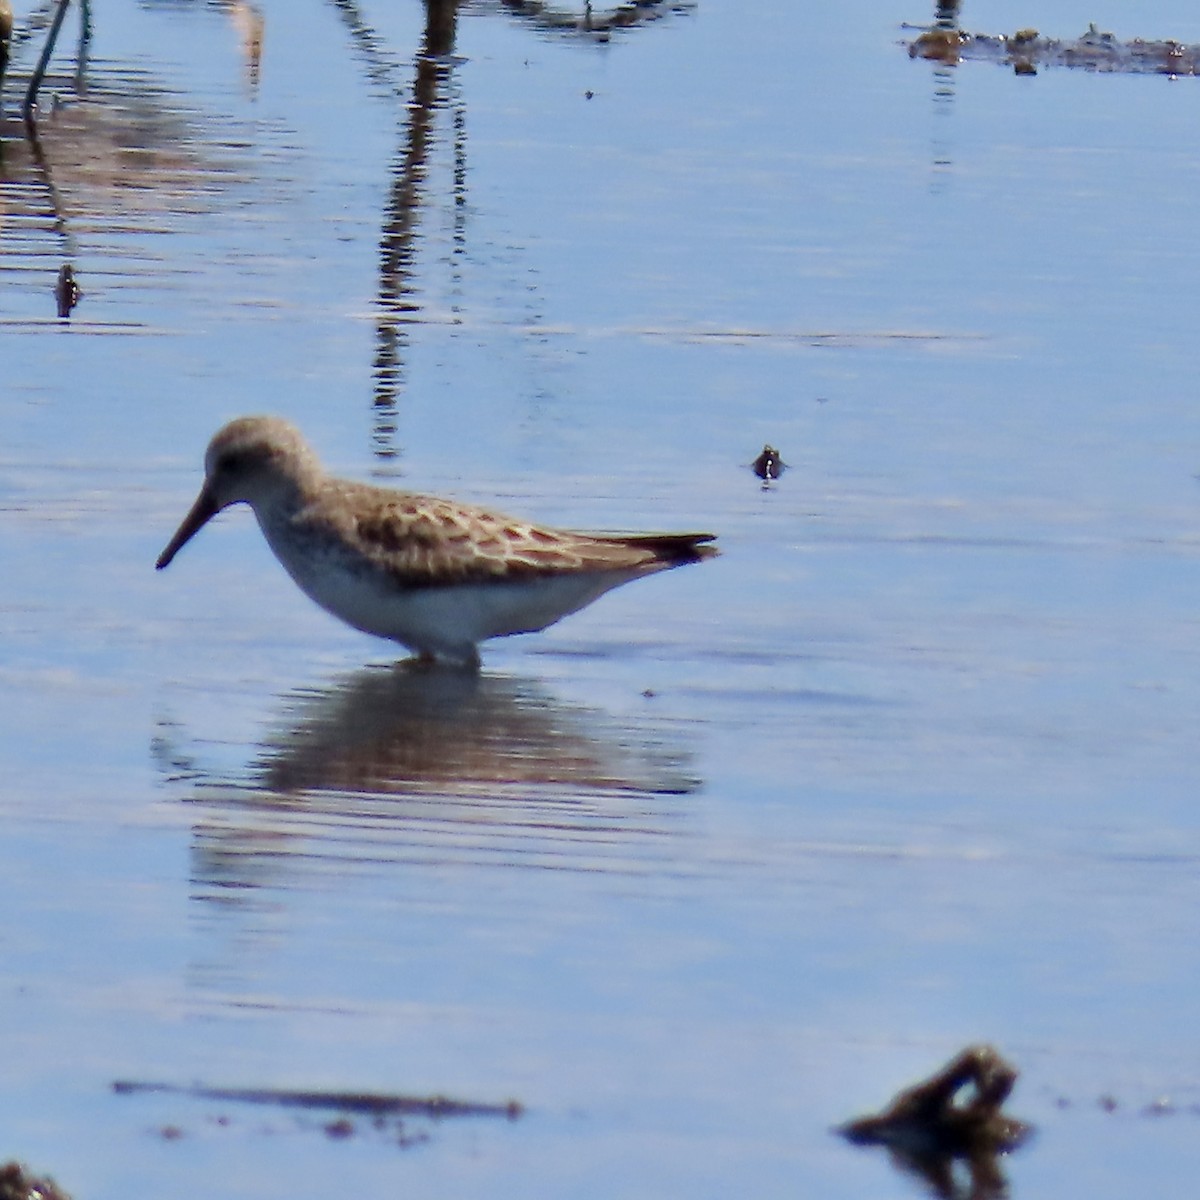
x=738, y=852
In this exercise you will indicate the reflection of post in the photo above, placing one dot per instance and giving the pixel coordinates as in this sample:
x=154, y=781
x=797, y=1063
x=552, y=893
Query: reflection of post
x=397, y=245
x=381, y=70
x=945, y=17
x=85, y=42
x=56, y=207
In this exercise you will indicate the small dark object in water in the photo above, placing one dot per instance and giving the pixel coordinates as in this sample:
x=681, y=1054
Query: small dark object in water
x=15, y=1184
x=1027, y=50
x=941, y=45
x=769, y=464
x=925, y=1130
x=67, y=292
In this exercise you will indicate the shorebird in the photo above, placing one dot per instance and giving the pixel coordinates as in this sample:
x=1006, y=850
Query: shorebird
x=437, y=576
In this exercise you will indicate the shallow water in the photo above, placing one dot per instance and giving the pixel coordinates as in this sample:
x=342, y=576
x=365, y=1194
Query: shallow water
x=734, y=854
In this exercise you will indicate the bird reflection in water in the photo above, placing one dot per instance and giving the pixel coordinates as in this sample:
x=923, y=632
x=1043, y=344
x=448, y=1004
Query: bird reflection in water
x=396, y=729
x=397, y=765
x=114, y=153
x=46, y=20
x=247, y=19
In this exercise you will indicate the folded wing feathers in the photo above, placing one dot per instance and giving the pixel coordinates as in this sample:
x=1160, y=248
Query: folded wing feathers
x=431, y=541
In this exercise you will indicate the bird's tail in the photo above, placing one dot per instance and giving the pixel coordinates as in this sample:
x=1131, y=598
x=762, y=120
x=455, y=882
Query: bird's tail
x=673, y=548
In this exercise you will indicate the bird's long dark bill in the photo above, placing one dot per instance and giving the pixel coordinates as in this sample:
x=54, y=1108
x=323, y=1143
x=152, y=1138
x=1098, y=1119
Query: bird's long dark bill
x=200, y=514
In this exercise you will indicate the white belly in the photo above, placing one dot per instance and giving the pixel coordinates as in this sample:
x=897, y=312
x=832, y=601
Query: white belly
x=448, y=621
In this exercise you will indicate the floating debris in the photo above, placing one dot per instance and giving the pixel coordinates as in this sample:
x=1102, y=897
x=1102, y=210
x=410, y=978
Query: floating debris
x=67, y=292
x=769, y=465
x=926, y=1128
x=1027, y=49
x=343, y=1127
x=17, y=1184
x=397, y=1119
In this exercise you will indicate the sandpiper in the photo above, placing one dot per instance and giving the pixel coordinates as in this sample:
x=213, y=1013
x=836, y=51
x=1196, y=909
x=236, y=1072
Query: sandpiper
x=435, y=575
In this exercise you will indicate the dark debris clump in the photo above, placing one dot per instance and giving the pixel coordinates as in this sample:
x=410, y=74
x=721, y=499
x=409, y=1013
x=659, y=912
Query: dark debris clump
x=17, y=1184
x=954, y=1116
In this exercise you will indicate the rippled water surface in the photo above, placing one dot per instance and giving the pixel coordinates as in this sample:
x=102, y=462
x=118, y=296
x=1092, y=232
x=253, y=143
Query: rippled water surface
x=729, y=857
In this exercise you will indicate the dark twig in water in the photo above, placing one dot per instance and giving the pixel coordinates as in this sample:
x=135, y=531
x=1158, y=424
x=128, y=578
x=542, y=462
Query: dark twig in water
x=926, y=1128
x=373, y=1104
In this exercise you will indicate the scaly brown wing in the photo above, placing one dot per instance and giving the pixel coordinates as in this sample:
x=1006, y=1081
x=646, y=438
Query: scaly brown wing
x=425, y=541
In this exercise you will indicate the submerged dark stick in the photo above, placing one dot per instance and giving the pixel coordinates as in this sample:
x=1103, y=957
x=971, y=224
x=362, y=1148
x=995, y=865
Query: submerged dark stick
x=369, y=1103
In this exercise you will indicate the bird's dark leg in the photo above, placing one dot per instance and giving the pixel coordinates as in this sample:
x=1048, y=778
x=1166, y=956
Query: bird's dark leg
x=39, y=72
